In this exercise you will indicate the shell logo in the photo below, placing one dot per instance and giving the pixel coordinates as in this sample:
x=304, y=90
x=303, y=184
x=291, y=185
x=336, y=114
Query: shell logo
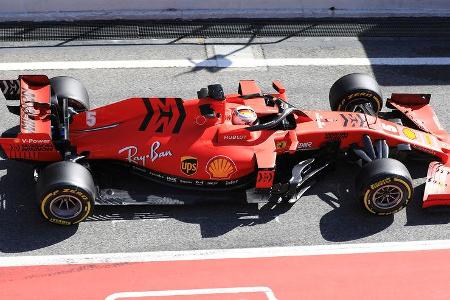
x=409, y=133
x=220, y=167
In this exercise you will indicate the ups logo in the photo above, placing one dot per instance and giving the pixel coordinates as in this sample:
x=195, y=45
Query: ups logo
x=189, y=165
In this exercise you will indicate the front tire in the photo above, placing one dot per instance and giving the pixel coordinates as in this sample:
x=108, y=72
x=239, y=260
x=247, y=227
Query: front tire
x=384, y=186
x=66, y=193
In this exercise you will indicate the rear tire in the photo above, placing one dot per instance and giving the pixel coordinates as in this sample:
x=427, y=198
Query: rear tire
x=384, y=186
x=72, y=89
x=66, y=193
x=352, y=91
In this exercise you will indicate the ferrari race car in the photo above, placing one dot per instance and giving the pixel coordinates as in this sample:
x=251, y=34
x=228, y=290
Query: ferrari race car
x=248, y=145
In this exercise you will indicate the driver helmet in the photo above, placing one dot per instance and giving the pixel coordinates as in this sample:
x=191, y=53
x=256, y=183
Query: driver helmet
x=244, y=115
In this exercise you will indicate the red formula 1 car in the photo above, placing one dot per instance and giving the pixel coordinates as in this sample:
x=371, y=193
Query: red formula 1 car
x=247, y=145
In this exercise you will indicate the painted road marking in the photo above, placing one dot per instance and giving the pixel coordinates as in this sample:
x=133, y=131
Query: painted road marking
x=106, y=258
x=224, y=62
x=196, y=292
x=395, y=275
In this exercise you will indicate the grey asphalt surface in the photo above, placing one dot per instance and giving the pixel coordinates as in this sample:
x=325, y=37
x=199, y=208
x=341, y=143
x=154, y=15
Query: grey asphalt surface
x=327, y=215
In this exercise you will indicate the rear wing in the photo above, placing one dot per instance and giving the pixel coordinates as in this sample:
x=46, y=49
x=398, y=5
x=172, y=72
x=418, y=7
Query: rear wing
x=29, y=97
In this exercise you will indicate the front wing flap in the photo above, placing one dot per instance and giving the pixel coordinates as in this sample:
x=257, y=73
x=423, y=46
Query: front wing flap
x=437, y=187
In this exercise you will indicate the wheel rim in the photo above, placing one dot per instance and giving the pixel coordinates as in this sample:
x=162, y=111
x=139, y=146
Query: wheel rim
x=387, y=196
x=66, y=207
x=360, y=105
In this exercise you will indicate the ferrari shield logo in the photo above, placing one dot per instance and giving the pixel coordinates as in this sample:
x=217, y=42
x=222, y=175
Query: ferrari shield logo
x=280, y=145
x=189, y=165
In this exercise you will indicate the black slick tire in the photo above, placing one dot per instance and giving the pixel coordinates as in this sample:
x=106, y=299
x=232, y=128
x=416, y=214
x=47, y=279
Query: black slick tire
x=65, y=192
x=355, y=89
x=72, y=89
x=384, y=186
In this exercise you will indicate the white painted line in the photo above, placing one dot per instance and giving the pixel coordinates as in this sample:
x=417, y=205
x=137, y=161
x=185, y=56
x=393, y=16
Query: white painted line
x=334, y=249
x=224, y=63
x=237, y=290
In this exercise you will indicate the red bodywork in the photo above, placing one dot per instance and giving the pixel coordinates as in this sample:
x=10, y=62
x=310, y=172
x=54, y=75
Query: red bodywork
x=170, y=138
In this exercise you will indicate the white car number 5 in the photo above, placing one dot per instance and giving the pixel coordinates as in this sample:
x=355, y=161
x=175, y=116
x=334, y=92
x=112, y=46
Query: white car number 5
x=91, y=118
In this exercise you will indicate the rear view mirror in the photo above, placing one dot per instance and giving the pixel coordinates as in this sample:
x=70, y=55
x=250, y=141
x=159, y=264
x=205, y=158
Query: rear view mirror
x=278, y=86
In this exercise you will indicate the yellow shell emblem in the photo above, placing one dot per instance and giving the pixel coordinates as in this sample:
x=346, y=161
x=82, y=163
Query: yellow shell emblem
x=409, y=133
x=220, y=167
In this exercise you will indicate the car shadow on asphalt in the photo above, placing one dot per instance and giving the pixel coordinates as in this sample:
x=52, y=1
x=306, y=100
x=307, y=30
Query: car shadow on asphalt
x=415, y=214
x=349, y=221
x=214, y=220
x=21, y=226
x=23, y=229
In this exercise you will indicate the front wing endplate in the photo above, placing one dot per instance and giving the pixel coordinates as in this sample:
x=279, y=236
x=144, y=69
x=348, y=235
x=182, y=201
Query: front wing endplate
x=437, y=188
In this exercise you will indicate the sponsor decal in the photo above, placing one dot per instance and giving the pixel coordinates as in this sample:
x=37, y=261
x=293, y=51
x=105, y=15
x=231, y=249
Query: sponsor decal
x=428, y=139
x=220, y=167
x=234, y=137
x=45, y=147
x=200, y=120
x=336, y=136
x=155, y=174
x=36, y=147
x=305, y=145
x=353, y=120
x=389, y=128
x=426, y=150
x=264, y=179
x=171, y=179
x=380, y=183
x=164, y=115
x=189, y=165
x=59, y=221
x=319, y=120
x=361, y=94
x=75, y=192
x=32, y=141
x=179, y=180
x=28, y=112
x=154, y=154
x=280, y=145
x=409, y=133
x=185, y=181
x=350, y=98
x=231, y=182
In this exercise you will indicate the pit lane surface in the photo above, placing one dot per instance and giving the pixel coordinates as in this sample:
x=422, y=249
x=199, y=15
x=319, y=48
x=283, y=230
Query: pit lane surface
x=328, y=215
x=251, y=274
